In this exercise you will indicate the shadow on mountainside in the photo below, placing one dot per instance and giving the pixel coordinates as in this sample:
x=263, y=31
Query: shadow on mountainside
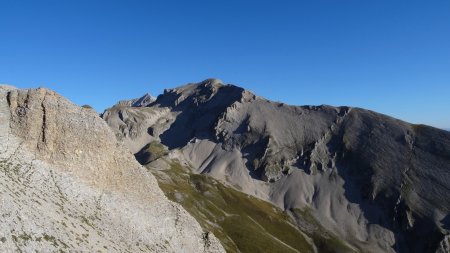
x=198, y=114
x=379, y=169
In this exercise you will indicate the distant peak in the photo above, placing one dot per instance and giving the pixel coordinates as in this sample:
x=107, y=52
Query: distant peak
x=199, y=92
x=143, y=101
x=193, y=88
x=211, y=82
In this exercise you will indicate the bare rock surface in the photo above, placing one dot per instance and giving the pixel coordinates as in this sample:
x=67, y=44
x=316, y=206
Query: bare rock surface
x=138, y=102
x=379, y=183
x=67, y=184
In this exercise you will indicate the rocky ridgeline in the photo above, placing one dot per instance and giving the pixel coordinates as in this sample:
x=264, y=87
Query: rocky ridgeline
x=66, y=184
x=378, y=183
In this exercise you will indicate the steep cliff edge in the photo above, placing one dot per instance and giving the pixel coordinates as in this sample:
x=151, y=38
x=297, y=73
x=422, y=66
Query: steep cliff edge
x=67, y=184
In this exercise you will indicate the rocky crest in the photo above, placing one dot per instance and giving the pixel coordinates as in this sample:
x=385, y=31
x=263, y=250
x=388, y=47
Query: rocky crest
x=67, y=184
x=138, y=102
x=379, y=183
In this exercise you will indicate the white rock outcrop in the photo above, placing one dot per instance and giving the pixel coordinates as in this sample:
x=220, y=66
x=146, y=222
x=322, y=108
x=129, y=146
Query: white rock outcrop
x=67, y=184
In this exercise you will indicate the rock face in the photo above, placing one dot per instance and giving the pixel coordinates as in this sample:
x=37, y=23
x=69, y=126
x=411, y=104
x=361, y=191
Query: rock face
x=138, y=102
x=67, y=184
x=379, y=183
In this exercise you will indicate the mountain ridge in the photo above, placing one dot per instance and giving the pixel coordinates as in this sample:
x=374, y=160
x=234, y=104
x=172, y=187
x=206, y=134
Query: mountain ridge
x=254, y=173
x=219, y=82
x=334, y=160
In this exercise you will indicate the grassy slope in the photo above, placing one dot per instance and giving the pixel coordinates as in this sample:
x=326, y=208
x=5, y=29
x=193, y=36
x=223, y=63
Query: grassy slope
x=241, y=222
x=325, y=241
x=151, y=152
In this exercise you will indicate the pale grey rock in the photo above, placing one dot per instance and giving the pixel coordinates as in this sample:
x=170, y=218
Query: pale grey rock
x=67, y=184
x=381, y=184
x=143, y=101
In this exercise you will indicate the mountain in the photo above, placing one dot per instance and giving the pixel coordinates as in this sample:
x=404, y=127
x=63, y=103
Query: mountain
x=356, y=178
x=67, y=185
x=142, y=101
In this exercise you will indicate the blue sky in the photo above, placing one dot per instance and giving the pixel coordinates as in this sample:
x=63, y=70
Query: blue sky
x=391, y=56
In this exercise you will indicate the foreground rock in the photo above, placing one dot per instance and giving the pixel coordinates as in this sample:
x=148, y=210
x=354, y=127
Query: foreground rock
x=380, y=184
x=66, y=184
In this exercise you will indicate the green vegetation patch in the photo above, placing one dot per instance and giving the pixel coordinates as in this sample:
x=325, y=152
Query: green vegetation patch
x=151, y=152
x=325, y=241
x=241, y=222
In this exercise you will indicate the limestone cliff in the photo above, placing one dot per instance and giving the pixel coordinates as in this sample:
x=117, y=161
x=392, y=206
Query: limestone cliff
x=67, y=184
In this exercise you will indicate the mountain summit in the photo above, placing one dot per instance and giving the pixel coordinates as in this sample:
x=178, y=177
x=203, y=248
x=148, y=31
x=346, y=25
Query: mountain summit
x=375, y=183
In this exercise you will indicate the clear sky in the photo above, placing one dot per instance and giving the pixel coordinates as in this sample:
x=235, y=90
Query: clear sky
x=391, y=56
